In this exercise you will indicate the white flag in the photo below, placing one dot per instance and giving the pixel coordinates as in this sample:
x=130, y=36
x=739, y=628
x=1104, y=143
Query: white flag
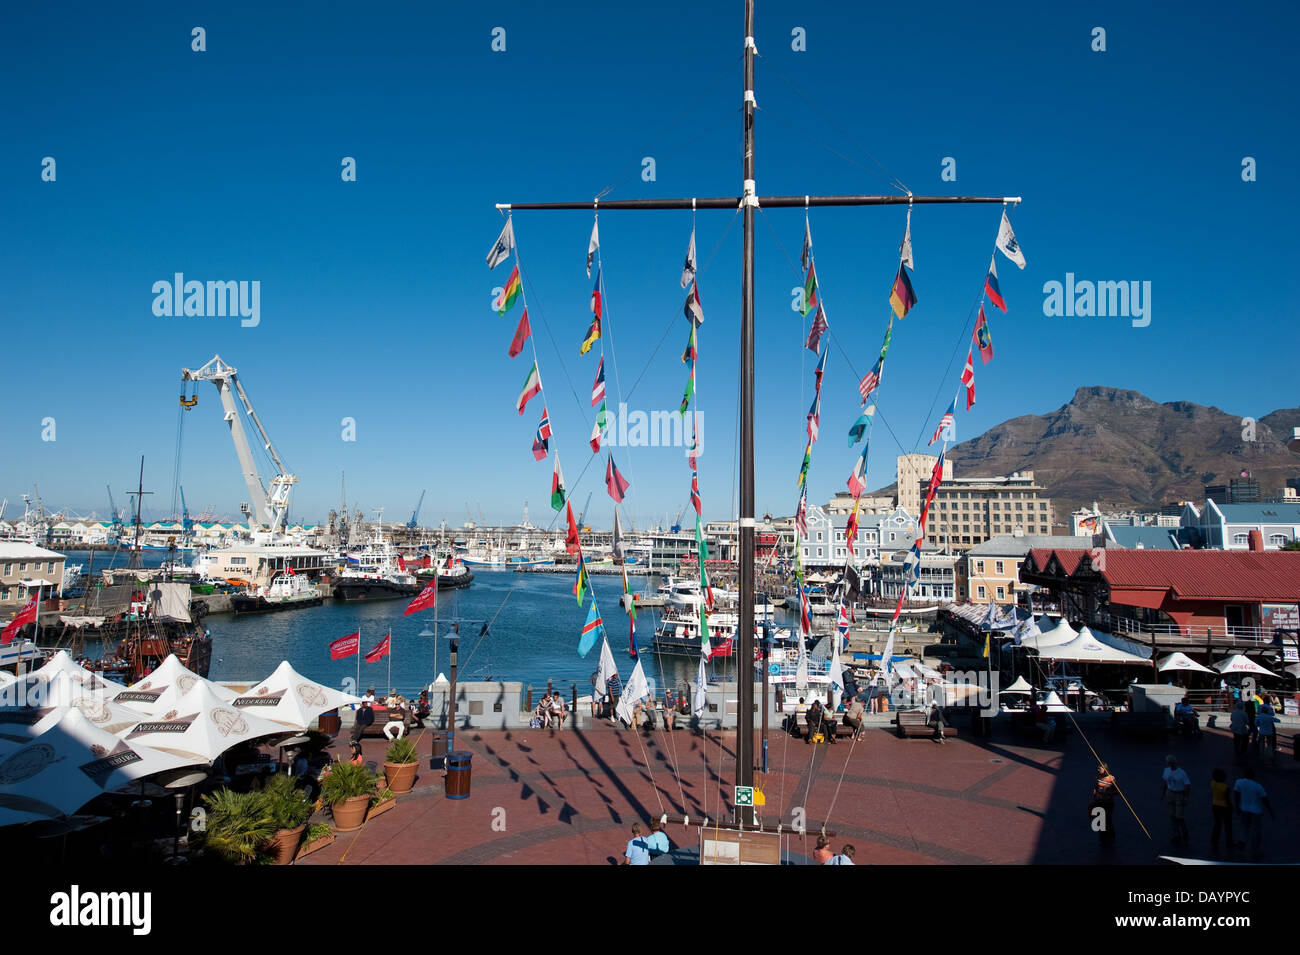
x=1007, y=243
x=634, y=692
x=593, y=245
x=505, y=245
x=887, y=659
x=607, y=669
x=836, y=675
x=801, y=670
x=701, y=701
x=688, y=269
x=905, y=250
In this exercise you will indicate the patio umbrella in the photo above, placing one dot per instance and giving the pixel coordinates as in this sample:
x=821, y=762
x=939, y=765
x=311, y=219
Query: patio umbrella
x=1181, y=661
x=1052, y=703
x=53, y=769
x=288, y=697
x=1294, y=669
x=1237, y=663
x=63, y=692
x=202, y=726
x=61, y=662
x=1020, y=686
x=161, y=690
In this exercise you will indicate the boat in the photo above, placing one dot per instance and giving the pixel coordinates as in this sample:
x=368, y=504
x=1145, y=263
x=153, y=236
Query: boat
x=158, y=623
x=820, y=603
x=502, y=562
x=376, y=572
x=678, y=632
x=288, y=591
x=452, y=573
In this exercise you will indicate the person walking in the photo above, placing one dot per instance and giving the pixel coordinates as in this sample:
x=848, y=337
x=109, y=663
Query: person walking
x=1251, y=800
x=1266, y=727
x=1176, y=785
x=1103, y=798
x=1221, y=808
x=657, y=841
x=1240, y=726
x=638, y=849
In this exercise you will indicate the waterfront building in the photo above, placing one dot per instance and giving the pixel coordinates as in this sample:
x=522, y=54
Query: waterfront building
x=991, y=570
x=23, y=568
x=1127, y=535
x=842, y=503
x=914, y=478
x=936, y=584
x=880, y=536
x=1228, y=526
x=968, y=511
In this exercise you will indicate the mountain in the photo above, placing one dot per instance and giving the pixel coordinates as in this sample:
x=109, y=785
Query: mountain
x=1121, y=449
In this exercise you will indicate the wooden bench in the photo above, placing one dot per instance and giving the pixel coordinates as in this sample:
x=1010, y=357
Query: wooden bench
x=913, y=723
x=833, y=720
x=1142, y=725
x=382, y=719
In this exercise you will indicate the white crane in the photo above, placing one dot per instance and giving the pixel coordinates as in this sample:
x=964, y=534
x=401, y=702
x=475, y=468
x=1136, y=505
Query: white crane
x=269, y=509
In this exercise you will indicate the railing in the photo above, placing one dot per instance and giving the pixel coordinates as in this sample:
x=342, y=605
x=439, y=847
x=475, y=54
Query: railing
x=1124, y=626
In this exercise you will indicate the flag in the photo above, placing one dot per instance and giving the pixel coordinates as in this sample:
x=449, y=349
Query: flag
x=859, y=428
x=706, y=645
x=689, y=353
x=593, y=628
x=991, y=286
x=593, y=333
x=688, y=268
x=871, y=380
x=582, y=582
x=345, y=646
x=805, y=258
x=598, y=386
x=851, y=531
x=615, y=483
x=836, y=677
x=425, y=599
x=968, y=379
x=803, y=470
x=819, y=326
x=695, y=495
x=381, y=649
x=700, y=703
x=532, y=385
x=858, y=479
x=594, y=245
x=504, y=246
x=821, y=368
x=595, y=295
x=1007, y=243
x=509, y=293
x=805, y=616
x=887, y=655
x=983, y=338
x=542, y=443
x=945, y=422
x=693, y=309
x=905, y=248
x=616, y=547
x=557, y=480
x=801, y=514
x=521, y=335
x=852, y=584
x=987, y=636
x=401, y=563
x=814, y=419
x=634, y=691
x=594, y=440
x=25, y=615
x=843, y=626
x=901, y=297
x=690, y=390
x=571, y=541
x=809, y=290
x=606, y=671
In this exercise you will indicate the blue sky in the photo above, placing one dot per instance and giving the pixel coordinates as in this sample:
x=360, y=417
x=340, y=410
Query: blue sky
x=375, y=298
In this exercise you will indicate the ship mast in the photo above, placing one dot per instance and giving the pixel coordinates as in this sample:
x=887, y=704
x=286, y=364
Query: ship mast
x=747, y=201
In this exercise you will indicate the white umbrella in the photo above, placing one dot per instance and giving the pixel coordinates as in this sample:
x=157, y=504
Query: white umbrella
x=288, y=697
x=52, y=696
x=1294, y=669
x=1181, y=661
x=1052, y=703
x=62, y=663
x=202, y=725
x=1020, y=686
x=1237, y=663
x=1059, y=635
x=55, y=771
x=162, y=689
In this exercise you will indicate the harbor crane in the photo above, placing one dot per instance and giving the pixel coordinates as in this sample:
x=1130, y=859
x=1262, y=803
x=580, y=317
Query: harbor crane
x=677, y=521
x=414, y=522
x=269, y=509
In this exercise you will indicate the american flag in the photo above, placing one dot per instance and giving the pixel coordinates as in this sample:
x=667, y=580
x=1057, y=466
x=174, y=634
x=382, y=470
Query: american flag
x=870, y=382
x=946, y=422
x=598, y=386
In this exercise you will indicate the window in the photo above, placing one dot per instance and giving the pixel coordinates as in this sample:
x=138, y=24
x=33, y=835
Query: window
x=1277, y=540
x=9, y=569
x=997, y=566
x=1238, y=539
x=239, y=560
x=1002, y=593
x=979, y=566
x=981, y=593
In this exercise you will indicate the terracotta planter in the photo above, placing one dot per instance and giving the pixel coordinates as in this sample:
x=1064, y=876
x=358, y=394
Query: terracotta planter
x=318, y=843
x=285, y=844
x=400, y=776
x=350, y=814
x=380, y=808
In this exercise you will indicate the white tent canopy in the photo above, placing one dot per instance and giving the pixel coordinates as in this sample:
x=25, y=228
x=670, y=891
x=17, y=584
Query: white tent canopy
x=288, y=697
x=1052, y=703
x=1087, y=648
x=202, y=725
x=1020, y=686
x=51, y=697
x=1237, y=663
x=62, y=663
x=162, y=689
x=1181, y=661
x=1058, y=636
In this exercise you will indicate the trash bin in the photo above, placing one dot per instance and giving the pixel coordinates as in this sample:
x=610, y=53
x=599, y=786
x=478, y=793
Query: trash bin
x=439, y=747
x=330, y=723
x=458, y=773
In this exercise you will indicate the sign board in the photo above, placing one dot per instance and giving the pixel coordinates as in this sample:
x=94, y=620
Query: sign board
x=720, y=846
x=1290, y=708
x=1290, y=655
x=1279, y=617
x=744, y=795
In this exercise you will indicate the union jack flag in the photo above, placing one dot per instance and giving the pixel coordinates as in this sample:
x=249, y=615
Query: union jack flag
x=946, y=422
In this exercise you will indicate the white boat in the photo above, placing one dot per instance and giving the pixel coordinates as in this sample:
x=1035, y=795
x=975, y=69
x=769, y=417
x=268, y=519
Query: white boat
x=820, y=603
x=285, y=592
x=375, y=572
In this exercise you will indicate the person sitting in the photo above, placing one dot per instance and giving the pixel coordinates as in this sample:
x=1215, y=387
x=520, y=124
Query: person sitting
x=669, y=711
x=543, y=711
x=1186, y=717
x=853, y=716
x=422, y=708
x=935, y=719
x=815, y=718
x=558, y=710
x=356, y=757
x=365, y=718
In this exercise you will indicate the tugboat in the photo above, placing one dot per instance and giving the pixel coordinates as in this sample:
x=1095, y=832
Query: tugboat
x=377, y=572
x=452, y=573
x=286, y=591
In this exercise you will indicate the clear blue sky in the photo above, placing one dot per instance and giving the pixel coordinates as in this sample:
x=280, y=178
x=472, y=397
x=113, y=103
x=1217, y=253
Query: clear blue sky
x=375, y=297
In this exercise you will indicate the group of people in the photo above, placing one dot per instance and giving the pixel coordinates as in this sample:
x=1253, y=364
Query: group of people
x=403, y=714
x=551, y=711
x=821, y=720
x=1254, y=727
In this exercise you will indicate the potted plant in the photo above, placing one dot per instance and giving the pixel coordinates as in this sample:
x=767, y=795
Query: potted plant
x=238, y=826
x=381, y=802
x=400, y=763
x=289, y=810
x=317, y=836
x=346, y=789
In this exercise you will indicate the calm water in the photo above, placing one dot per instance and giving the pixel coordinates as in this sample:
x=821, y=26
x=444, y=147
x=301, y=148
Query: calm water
x=534, y=624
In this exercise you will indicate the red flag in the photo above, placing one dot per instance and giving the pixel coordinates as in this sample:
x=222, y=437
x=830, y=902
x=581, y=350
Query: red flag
x=380, y=651
x=425, y=599
x=25, y=616
x=401, y=563
x=571, y=542
x=345, y=646
x=983, y=338
x=521, y=335
x=968, y=378
x=615, y=483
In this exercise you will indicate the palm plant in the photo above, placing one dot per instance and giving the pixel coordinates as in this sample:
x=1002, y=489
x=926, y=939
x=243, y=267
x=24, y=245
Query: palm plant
x=287, y=805
x=402, y=750
x=346, y=780
x=238, y=825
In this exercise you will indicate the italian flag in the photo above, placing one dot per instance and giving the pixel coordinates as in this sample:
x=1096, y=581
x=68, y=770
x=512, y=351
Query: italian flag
x=532, y=385
x=508, y=294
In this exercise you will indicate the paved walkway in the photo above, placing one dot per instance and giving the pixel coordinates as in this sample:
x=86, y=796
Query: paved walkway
x=541, y=797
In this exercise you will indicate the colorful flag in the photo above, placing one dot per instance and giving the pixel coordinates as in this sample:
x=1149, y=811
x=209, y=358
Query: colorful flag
x=871, y=380
x=809, y=290
x=695, y=494
x=801, y=514
x=983, y=338
x=381, y=649
x=594, y=440
x=557, y=485
x=821, y=369
x=968, y=379
x=615, y=483
x=858, y=479
x=803, y=469
x=819, y=326
x=805, y=258
x=595, y=295
x=851, y=532
x=689, y=353
x=945, y=423
x=814, y=419
x=693, y=309
x=593, y=334
x=901, y=297
x=593, y=628
x=509, y=292
x=690, y=390
x=26, y=615
x=805, y=615
x=1007, y=243
x=532, y=385
x=688, y=268
x=598, y=386
x=345, y=646
x=859, y=428
x=504, y=246
x=521, y=335
x=583, y=581
x=986, y=645
x=594, y=245
x=572, y=543
x=843, y=626
x=991, y=286
x=542, y=443
x=706, y=645
x=425, y=599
